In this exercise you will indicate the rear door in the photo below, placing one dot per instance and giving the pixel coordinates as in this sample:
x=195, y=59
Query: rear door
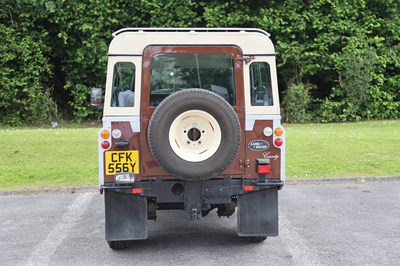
x=166, y=69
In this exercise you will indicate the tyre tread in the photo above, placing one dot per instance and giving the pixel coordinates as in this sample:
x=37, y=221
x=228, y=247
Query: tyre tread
x=184, y=95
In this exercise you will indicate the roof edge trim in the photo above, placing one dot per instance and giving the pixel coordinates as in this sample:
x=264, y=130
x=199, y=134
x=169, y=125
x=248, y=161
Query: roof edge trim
x=189, y=30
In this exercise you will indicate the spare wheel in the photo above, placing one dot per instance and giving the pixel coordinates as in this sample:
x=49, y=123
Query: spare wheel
x=194, y=134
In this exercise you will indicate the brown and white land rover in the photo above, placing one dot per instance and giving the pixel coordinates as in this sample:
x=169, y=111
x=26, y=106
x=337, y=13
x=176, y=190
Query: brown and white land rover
x=191, y=122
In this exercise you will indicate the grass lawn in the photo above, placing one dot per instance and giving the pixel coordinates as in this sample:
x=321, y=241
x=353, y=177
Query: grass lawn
x=343, y=150
x=33, y=158
x=61, y=157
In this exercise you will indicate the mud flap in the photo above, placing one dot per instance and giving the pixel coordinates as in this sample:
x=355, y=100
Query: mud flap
x=126, y=216
x=258, y=213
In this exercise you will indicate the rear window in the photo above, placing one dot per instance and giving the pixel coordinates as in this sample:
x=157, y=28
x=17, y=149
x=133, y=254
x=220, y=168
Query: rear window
x=174, y=72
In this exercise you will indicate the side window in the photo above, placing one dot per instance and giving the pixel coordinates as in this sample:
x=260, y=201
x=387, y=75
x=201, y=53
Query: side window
x=260, y=84
x=123, y=90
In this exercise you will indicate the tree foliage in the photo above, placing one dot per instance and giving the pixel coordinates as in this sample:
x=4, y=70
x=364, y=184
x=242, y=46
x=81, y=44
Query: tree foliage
x=25, y=94
x=53, y=51
x=296, y=101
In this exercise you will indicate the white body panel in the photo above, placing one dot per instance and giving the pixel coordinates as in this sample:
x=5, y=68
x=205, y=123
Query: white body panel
x=128, y=45
x=132, y=41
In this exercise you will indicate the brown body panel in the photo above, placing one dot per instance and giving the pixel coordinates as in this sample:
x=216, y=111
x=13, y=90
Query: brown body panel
x=149, y=168
x=127, y=135
x=272, y=152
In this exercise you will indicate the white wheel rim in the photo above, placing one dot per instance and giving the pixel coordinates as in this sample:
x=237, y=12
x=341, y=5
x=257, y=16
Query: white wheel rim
x=195, y=136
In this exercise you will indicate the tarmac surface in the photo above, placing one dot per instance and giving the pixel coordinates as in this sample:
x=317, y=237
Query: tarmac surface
x=320, y=224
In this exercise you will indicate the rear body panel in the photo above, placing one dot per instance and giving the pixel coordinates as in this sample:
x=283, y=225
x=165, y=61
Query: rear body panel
x=255, y=125
x=249, y=46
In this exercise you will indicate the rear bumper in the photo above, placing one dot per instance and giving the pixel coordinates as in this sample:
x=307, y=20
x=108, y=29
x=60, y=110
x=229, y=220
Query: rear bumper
x=127, y=210
x=214, y=191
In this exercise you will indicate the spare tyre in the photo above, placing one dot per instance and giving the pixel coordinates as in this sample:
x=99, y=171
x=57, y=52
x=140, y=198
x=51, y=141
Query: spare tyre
x=194, y=134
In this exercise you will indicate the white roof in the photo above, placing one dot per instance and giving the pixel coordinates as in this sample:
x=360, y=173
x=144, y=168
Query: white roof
x=132, y=41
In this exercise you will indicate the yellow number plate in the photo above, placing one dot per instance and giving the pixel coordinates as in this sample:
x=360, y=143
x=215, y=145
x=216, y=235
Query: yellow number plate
x=122, y=162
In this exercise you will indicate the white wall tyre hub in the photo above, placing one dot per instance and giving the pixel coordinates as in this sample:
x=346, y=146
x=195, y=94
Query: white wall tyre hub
x=195, y=135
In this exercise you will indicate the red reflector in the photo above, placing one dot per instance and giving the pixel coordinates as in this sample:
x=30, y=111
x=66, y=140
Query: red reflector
x=278, y=142
x=248, y=188
x=137, y=190
x=264, y=169
x=105, y=144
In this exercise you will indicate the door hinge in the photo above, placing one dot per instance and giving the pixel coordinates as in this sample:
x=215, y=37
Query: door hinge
x=246, y=59
x=244, y=163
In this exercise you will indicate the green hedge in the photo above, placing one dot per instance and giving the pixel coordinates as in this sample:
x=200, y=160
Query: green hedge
x=345, y=55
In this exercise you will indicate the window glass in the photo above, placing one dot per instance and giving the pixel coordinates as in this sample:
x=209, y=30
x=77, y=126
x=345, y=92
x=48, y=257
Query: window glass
x=174, y=72
x=260, y=84
x=123, y=90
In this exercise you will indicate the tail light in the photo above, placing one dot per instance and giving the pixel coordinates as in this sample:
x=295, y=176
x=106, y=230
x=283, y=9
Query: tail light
x=267, y=131
x=278, y=142
x=105, y=134
x=278, y=131
x=137, y=190
x=116, y=133
x=248, y=188
x=105, y=144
